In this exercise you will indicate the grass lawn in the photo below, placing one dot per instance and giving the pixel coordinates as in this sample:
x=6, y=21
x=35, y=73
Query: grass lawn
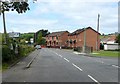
x=106, y=53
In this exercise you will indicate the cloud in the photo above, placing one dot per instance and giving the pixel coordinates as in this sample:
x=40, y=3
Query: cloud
x=68, y=15
x=85, y=13
x=33, y=22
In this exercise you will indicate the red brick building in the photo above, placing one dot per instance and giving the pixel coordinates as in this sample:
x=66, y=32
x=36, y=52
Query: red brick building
x=57, y=39
x=85, y=36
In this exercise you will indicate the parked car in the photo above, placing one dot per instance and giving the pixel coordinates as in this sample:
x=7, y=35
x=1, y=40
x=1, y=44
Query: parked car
x=38, y=47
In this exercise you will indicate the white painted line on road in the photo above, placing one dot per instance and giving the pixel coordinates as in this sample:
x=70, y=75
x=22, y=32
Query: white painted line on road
x=77, y=67
x=100, y=61
x=56, y=53
x=60, y=55
x=93, y=78
x=66, y=59
x=115, y=66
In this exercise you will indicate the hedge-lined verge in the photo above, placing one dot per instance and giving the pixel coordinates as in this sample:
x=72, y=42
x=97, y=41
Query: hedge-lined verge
x=9, y=57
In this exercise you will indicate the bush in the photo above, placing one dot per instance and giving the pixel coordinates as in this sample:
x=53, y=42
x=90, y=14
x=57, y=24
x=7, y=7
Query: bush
x=25, y=49
x=7, y=54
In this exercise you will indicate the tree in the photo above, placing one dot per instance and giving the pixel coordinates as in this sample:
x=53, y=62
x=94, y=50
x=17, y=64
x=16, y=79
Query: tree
x=118, y=39
x=44, y=32
x=20, y=7
x=39, y=38
x=26, y=37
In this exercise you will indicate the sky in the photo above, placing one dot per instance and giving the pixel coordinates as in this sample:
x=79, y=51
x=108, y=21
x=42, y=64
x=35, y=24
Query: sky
x=62, y=15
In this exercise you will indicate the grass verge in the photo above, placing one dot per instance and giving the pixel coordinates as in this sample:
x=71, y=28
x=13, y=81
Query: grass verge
x=103, y=53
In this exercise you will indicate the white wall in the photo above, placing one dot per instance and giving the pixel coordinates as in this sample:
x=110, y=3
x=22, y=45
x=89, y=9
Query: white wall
x=110, y=46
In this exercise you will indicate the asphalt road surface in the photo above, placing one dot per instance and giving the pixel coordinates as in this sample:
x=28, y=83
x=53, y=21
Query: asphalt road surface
x=55, y=65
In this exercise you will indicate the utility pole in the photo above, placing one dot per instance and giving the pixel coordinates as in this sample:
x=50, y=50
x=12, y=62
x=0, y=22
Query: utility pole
x=98, y=32
x=4, y=25
x=84, y=46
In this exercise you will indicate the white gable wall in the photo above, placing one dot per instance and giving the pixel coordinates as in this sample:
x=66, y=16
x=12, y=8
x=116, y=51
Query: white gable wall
x=111, y=46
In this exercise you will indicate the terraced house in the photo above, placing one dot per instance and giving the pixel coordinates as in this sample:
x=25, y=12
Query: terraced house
x=57, y=39
x=84, y=37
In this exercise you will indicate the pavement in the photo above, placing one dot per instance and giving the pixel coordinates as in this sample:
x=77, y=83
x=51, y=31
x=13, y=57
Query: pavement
x=55, y=65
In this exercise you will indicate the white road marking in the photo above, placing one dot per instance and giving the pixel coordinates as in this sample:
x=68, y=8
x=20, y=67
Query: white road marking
x=115, y=66
x=93, y=78
x=77, y=67
x=56, y=53
x=66, y=60
x=60, y=55
x=102, y=62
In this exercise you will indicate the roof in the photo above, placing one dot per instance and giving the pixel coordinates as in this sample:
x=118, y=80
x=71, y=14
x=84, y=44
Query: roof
x=81, y=30
x=59, y=33
x=109, y=38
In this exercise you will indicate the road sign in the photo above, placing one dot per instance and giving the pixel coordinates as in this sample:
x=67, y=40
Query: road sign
x=14, y=34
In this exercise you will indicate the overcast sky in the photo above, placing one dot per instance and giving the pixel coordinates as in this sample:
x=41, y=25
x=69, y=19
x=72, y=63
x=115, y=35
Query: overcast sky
x=59, y=15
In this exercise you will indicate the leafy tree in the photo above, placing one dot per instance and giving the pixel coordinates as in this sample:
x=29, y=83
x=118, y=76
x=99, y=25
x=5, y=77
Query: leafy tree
x=118, y=39
x=39, y=38
x=20, y=7
x=27, y=36
x=44, y=32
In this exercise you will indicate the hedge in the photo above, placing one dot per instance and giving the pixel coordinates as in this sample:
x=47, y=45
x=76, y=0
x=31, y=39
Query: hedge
x=9, y=56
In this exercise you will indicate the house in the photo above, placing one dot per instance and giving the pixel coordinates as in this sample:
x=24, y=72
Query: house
x=111, y=46
x=84, y=37
x=109, y=42
x=108, y=39
x=57, y=39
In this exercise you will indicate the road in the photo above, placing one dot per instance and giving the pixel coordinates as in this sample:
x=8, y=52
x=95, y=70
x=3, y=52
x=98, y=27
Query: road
x=55, y=65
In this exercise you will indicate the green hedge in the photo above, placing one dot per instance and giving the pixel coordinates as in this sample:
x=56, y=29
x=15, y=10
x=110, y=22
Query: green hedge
x=9, y=56
x=24, y=50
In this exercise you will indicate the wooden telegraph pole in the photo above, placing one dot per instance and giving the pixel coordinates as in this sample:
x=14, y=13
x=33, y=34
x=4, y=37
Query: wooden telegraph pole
x=4, y=25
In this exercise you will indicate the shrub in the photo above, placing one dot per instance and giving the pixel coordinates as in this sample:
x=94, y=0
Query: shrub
x=7, y=54
x=25, y=49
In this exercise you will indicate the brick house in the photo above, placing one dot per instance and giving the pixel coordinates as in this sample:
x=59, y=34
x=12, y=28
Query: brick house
x=57, y=39
x=87, y=36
